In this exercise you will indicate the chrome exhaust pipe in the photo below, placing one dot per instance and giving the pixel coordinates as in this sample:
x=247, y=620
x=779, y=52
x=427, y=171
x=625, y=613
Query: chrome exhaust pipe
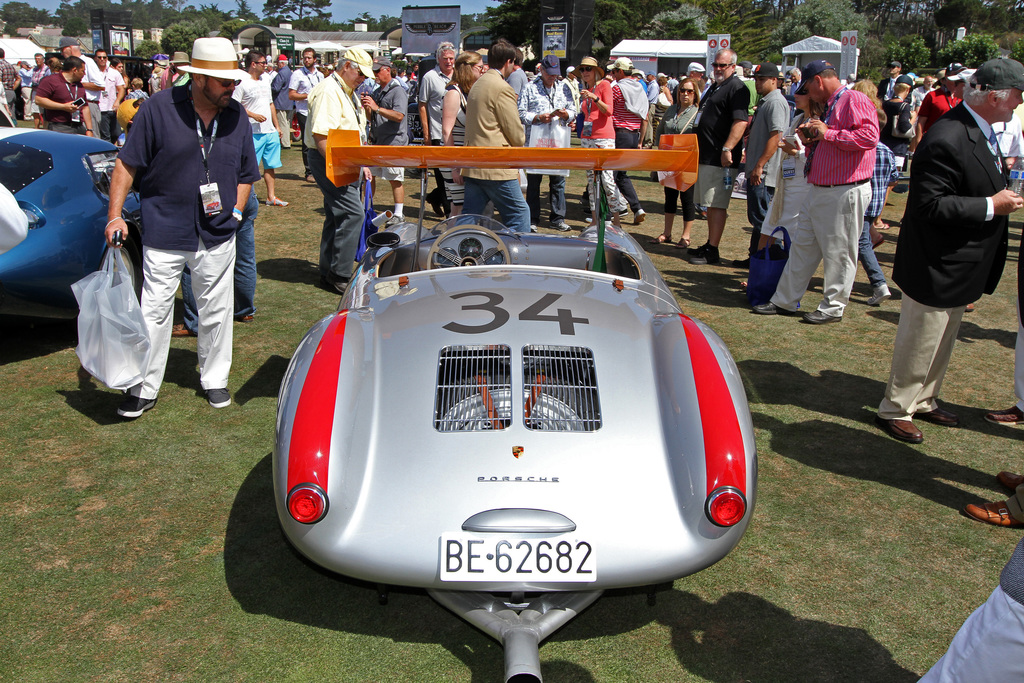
x=520, y=628
x=522, y=656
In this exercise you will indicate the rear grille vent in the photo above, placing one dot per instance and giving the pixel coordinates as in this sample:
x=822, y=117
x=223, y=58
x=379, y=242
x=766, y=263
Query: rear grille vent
x=474, y=389
x=560, y=389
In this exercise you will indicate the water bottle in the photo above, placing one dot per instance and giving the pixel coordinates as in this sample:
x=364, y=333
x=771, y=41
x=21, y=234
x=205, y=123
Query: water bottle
x=1017, y=176
x=727, y=178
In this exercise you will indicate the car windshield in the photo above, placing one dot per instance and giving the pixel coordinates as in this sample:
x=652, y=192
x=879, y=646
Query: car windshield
x=21, y=165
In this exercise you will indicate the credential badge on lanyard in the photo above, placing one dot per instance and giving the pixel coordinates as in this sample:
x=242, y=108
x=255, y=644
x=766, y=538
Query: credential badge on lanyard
x=209, y=193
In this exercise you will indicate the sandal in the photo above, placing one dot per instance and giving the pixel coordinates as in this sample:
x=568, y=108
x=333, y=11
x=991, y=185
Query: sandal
x=661, y=239
x=683, y=243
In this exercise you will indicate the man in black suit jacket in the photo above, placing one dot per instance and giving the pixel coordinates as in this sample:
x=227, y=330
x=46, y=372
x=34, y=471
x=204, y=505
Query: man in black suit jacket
x=952, y=244
x=886, y=85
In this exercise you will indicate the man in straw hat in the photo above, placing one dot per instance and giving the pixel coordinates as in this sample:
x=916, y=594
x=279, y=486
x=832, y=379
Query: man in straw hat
x=333, y=104
x=191, y=151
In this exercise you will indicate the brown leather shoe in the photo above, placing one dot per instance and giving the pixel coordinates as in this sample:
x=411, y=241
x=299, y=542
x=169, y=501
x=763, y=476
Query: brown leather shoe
x=1010, y=480
x=992, y=513
x=902, y=430
x=180, y=330
x=940, y=417
x=1009, y=417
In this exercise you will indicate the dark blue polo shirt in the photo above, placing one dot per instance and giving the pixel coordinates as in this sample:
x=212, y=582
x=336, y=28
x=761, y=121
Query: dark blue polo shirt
x=164, y=149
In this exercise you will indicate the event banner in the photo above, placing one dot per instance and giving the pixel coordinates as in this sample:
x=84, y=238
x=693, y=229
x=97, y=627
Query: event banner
x=848, y=55
x=716, y=42
x=424, y=28
x=555, y=39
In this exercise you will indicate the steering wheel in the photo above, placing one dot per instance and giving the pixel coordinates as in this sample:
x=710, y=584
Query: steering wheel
x=467, y=245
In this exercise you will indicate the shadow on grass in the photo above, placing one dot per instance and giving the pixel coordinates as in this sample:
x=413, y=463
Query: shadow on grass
x=741, y=637
x=873, y=456
x=969, y=332
x=265, y=382
x=92, y=400
x=21, y=339
x=862, y=452
x=267, y=576
x=299, y=271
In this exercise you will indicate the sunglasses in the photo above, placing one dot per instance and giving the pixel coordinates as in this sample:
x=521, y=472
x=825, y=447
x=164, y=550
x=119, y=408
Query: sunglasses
x=716, y=65
x=227, y=82
x=690, y=90
x=264, y=62
x=586, y=68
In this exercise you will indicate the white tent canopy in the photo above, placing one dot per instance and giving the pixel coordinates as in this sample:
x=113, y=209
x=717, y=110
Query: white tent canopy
x=809, y=49
x=678, y=49
x=18, y=49
x=671, y=56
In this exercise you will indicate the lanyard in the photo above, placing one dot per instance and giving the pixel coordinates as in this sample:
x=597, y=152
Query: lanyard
x=202, y=146
x=831, y=107
x=355, y=103
x=74, y=95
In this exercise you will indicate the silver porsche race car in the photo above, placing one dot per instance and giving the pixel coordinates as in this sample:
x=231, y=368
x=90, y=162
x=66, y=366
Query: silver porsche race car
x=514, y=422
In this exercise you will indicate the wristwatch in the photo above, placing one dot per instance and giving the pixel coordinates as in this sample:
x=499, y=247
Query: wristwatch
x=727, y=149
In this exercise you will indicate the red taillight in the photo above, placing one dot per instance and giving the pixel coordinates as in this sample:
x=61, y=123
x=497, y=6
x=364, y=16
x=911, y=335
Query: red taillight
x=725, y=506
x=307, y=503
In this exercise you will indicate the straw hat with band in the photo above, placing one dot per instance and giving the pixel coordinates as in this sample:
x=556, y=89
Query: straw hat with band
x=591, y=62
x=214, y=57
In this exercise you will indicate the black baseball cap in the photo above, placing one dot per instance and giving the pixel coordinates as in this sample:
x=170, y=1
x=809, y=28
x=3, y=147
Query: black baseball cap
x=810, y=71
x=1000, y=74
x=766, y=70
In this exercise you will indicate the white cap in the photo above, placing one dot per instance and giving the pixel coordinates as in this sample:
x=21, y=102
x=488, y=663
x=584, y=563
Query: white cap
x=570, y=69
x=695, y=66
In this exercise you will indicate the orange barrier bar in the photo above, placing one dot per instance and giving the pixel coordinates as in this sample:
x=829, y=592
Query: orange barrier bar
x=676, y=157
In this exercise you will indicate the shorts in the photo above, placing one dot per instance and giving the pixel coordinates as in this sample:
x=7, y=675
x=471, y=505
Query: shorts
x=268, y=149
x=388, y=173
x=711, y=191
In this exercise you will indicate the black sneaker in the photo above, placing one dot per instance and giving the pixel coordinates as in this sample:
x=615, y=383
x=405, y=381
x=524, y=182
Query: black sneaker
x=745, y=263
x=218, y=398
x=133, y=406
x=705, y=255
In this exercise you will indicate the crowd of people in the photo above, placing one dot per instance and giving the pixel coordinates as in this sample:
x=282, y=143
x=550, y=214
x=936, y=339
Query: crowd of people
x=812, y=149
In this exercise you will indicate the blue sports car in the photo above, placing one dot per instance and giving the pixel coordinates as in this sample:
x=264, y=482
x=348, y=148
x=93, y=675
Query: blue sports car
x=61, y=183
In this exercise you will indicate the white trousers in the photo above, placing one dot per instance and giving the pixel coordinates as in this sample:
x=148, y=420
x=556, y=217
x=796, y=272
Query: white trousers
x=988, y=648
x=920, y=356
x=827, y=229
x=616, y=202
x=214, y=289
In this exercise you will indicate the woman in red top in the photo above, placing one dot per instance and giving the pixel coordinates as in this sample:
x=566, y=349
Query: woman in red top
x=939, y=101
x=598, y=133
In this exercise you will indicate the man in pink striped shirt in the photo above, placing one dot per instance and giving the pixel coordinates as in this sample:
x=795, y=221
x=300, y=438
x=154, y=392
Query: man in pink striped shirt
x=840, y=159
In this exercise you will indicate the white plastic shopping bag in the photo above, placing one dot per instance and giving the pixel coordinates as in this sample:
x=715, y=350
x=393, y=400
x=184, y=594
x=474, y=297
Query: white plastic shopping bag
x=552, y=135
x=113, y=343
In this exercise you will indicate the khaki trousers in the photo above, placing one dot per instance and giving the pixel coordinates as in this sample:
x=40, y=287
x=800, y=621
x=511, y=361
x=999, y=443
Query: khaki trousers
x=827, y=229
x=920, y=356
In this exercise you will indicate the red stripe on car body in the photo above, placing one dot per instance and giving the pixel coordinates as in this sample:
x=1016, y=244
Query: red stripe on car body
x=723, y=441
x=309, y=449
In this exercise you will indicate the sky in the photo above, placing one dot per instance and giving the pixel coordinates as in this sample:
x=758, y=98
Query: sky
x=340, y=9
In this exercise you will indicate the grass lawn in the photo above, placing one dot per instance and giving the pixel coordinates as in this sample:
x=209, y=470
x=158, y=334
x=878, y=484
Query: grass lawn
x=150, y=549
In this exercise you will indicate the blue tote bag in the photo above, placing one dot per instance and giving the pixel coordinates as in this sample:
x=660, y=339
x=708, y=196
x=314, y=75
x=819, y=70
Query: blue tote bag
x=766, y=266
